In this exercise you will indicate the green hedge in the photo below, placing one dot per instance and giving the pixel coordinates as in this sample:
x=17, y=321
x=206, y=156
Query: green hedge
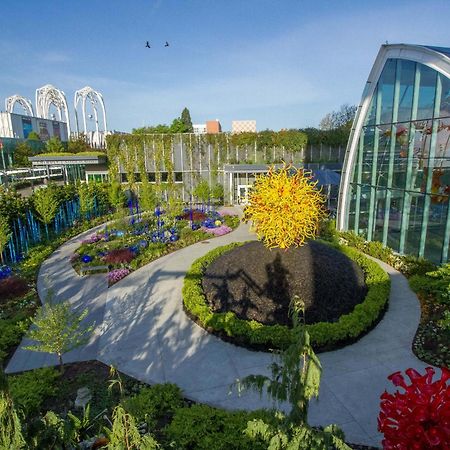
x=324, y=335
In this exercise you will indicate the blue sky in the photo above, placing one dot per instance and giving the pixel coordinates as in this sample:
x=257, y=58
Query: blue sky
x=284, y=63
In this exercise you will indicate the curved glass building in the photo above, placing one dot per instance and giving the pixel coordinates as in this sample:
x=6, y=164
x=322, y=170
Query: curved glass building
x=395, y=184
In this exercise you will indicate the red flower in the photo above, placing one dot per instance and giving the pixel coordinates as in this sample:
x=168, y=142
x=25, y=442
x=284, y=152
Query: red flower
x=418, y=418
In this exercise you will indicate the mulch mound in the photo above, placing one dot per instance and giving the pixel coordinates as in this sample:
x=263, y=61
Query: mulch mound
x=258, y=284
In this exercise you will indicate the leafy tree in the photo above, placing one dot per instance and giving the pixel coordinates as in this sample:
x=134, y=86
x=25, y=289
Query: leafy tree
x=296, y=380
x=33, y=136
x=22, y=151
x=87, y=200
x=147, y=196
x=202, y=191
x=46, y=205
x=337, y=119
x=186, y=119
x=54, y=145
x=78, y=144
x=178, y=126
x=217, y=192
x=58, y=329
x=5, y=234
x=116, y=195
x=10, y=429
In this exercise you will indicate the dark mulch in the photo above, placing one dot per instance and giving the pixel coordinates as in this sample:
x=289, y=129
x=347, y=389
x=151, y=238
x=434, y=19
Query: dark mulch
x=196, y=216
x=257, y=283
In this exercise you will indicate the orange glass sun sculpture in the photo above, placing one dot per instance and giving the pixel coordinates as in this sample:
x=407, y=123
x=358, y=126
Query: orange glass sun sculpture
x=285, y=207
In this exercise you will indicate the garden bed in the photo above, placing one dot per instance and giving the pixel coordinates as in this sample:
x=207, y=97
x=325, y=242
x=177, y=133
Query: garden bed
x=252, y=334
x=175, y=421
x=137, y=241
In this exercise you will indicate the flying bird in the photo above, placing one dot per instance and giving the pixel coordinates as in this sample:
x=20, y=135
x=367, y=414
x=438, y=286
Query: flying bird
x=167, y=44
x=147, y=45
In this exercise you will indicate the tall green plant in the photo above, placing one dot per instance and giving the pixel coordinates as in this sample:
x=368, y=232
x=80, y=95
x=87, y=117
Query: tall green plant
x=58, y=329
x=10, y=429
x=46, y=205
x=202, y=191
x=87, y=200
x=5, y=235
x=296, y=380
x=124, y=434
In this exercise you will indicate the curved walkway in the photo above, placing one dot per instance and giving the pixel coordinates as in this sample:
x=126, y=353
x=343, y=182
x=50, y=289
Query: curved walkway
x=143, y=331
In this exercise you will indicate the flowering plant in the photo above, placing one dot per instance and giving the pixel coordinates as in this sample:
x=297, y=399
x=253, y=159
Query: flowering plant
x=218, y=231
x=92, y=239
x=418, y=418
x=117, y=274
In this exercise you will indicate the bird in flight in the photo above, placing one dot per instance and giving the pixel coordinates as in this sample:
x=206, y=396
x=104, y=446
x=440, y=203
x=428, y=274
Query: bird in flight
x=147, y=45
x=167, y=44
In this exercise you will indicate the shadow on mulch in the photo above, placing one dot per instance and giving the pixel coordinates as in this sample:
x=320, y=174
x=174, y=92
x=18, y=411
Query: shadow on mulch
x=258, y=284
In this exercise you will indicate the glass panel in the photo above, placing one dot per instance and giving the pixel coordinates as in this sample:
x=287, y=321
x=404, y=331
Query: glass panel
x=386, y=86
x=395, y=219
x=437, y=219
x=384, y=144
x=352, y=209
x=445, y=96
x=400, y=155
x=364, y=210
x=415, y=224
x=368, y=135
x=370, y=118
x=407, y=72
x=422, y=139
x=427, y=91
x=380, y=202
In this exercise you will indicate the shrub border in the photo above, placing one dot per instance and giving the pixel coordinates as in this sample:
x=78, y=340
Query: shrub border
x=325, y=336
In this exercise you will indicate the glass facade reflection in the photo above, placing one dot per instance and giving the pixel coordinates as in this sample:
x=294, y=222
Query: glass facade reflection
x=400, y=184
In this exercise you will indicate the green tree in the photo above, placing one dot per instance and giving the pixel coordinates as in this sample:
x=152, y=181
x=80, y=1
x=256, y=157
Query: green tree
x=46, y=205
x=78, y=144
x=217, y=192
x=22, y=152
x=147, y=196
x=116, y=195
x=5, y=235
x=86, y=198
x=202, y=191
x=54, y=145
x=158, y=129
x=186, y=119
x=296, y=380
x=10, y=429
x=58, y=330
x=33, y=136
x=178, y=126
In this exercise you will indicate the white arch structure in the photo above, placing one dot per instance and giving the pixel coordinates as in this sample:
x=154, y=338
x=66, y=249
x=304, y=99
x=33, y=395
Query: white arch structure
x=49, y=95
x=95, y=98
x=22, y=101
x=430, y=57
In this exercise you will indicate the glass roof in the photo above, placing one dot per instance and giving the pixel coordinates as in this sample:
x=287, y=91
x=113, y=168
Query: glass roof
x=444, y=50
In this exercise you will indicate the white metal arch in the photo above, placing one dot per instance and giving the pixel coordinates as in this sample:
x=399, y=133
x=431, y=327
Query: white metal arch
x=49, y=95
x=22, y=101
x=423, y=55
x=95, y=98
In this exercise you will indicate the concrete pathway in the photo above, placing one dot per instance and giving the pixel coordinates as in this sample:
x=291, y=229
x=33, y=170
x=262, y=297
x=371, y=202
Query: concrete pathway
x=143, y=331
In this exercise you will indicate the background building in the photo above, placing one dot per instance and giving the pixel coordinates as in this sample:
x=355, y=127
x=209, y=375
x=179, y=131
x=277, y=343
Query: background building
x=395, y=183
x=213, y=126
x=199, y=128
x=243, y=126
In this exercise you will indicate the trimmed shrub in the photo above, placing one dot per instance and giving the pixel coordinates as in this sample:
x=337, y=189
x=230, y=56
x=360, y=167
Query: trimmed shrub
x=202, y=427
x=119, y=256
x=323, y=335
x=13, y=286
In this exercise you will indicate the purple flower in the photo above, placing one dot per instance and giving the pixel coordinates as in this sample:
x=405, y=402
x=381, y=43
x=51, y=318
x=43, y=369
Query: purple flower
x=117, y=274
x=219, y=231
x=92, y=239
